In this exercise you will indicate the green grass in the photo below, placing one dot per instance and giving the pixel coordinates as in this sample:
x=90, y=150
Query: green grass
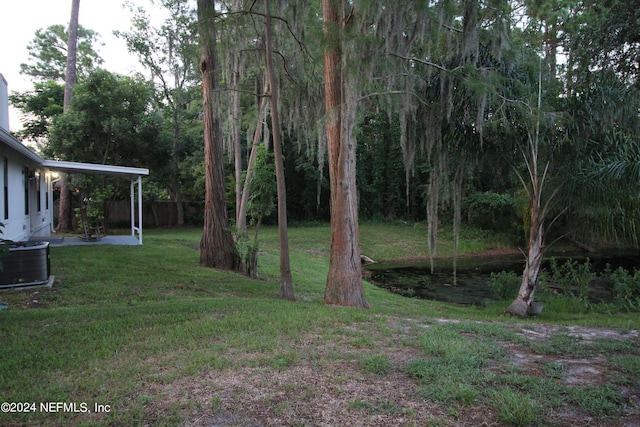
x=380, y=406
x=377, y=364
x=122, y=325
x=516, y=408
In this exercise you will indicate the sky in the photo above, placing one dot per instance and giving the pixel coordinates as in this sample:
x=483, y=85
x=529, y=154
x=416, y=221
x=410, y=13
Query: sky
x=21, y=19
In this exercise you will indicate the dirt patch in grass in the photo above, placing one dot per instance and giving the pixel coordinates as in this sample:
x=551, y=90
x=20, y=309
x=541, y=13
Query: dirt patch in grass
x=30, y=298
x=327, y=385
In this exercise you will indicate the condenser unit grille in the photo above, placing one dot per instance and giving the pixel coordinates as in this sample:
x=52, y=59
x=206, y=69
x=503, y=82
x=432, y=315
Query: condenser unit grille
x=28, y=264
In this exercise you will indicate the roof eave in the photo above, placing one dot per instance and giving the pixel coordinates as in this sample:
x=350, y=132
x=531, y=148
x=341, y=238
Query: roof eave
x=18, y=146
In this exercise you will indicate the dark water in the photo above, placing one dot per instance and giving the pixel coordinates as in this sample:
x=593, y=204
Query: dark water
x=471, y=284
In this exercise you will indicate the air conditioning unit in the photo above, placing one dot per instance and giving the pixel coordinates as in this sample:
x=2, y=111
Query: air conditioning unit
x=27, y=264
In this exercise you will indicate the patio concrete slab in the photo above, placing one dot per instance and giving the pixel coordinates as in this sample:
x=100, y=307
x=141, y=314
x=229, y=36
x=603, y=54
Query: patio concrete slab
x=76, y=241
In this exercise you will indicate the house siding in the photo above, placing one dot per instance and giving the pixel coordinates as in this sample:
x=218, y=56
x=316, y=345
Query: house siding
x=24, y=211
x=21, y=218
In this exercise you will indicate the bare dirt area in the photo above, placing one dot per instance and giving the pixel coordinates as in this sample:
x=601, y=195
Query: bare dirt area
x=32, y=298
x=327, y=385
x=586, y=371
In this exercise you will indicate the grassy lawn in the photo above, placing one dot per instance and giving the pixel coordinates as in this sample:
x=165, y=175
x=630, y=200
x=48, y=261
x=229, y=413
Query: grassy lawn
x=133, y=336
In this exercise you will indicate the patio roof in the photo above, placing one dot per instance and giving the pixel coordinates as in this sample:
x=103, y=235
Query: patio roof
x=95, y=169
x=133, y=174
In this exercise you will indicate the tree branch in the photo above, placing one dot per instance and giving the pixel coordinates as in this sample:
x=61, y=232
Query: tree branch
x=371, y=95
x=423, y=61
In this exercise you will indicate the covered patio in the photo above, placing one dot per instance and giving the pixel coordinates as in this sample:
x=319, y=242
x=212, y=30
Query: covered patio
x=134, y=175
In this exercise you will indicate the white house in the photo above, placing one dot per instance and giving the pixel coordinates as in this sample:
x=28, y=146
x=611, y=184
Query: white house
x=26, y=200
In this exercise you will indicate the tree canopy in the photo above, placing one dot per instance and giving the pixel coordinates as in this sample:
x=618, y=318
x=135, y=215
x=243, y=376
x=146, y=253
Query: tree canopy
x=48, y=53
x=110, y=122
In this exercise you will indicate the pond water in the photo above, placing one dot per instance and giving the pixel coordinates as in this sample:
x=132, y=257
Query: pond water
x=471, y=284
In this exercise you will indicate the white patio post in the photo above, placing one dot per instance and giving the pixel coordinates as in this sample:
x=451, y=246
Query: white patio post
x=137, y=228
x=140, y=208
x=132, y=208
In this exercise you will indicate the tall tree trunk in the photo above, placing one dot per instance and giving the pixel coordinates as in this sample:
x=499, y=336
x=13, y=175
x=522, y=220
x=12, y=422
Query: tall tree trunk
x=344, y=281
x=217, y=248
x=470, y=32
x=64, y=207
x=458, y=183
x=246, y=190
x=72, y=50
x=175, y=157
x=520, y=306
x=237, y=144
x=175, y=167
x=432, y=210
x=286, y=282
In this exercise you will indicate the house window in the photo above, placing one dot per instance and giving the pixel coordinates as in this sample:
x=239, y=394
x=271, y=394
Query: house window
x=25, y=172
x=5, y=184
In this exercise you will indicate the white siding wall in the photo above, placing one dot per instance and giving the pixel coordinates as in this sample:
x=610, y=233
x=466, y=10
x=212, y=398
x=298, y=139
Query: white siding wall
x=18, y=224
x=21, y=218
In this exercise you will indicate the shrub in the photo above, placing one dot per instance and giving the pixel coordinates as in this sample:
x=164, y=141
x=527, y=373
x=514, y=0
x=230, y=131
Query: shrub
x=573, y=278
x=626, y=287
x=505, y=284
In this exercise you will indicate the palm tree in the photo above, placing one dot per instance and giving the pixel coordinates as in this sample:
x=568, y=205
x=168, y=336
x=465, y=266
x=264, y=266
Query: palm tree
x=539, y=210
